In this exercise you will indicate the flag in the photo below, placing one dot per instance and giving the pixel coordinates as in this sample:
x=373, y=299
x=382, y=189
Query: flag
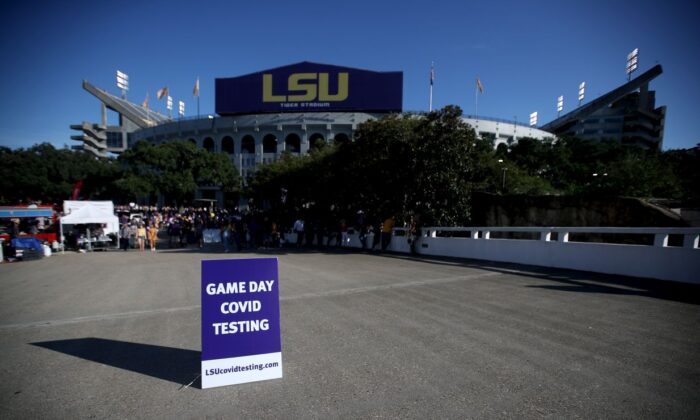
x=162, y=92
x=195, y=92
x=76, y=189
x=432, y=74
x=479, y=85
x=145, y=101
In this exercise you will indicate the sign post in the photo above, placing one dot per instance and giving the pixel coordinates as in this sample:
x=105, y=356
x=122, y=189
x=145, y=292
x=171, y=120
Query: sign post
x=241, y=339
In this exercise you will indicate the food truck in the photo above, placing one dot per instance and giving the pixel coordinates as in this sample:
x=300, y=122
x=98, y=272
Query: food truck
x=33, y=220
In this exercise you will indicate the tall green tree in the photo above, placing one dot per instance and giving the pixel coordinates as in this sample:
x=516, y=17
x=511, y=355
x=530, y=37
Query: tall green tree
x=685, y=165
x=44, y=173
x=444, y=160
x=397, y=165
x=175, y=170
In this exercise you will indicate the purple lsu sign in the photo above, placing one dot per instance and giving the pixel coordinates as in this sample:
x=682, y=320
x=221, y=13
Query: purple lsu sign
x=241, y=339
x=309, y=87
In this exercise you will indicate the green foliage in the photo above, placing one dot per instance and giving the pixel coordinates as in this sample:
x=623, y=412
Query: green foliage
x=47, y=174
x=429, y=165
x=175, y=170
x=398, y=165
x=443, y=158
x=685, y=168
x=573, y=166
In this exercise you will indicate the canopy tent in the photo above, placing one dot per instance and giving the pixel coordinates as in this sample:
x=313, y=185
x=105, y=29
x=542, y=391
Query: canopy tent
x=70, y=206
x=86, y=213
x=14, y=212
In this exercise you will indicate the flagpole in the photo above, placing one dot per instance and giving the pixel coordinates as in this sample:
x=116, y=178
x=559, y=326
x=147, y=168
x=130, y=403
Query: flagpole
x=196, y=93
x=432, y=79
x=476, y=104
x=478, y=89
x=430, y=105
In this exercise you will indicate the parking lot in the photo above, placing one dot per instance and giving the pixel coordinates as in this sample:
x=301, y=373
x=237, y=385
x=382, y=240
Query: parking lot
x=117, y=335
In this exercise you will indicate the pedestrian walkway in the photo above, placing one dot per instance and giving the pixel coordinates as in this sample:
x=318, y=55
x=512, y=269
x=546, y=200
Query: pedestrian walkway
x=117, y=335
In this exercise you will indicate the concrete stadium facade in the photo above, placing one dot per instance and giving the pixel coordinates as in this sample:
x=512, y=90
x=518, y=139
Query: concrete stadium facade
x=252, y=138
x=288, y=109
x=257, y=139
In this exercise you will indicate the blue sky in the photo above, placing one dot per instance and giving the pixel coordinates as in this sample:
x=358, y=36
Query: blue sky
x=525, y=53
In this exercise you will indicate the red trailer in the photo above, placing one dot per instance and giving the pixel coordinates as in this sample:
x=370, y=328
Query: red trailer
x=38, y=221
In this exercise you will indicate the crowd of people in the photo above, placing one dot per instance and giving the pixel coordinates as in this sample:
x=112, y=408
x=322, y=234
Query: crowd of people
x=150, y=227
x=187, y=226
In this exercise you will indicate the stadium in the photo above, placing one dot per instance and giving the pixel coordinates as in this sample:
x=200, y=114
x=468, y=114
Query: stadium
x=288, y=109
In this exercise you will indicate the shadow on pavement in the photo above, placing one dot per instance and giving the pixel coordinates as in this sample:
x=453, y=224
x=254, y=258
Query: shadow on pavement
x=575, y=281
x=658, y=289
x=171, y=364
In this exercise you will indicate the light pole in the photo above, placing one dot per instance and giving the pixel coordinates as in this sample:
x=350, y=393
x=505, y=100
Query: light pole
x=632, y=59
x=503, y=184
x=560, y=105
x=123, y=83
x=169, y=105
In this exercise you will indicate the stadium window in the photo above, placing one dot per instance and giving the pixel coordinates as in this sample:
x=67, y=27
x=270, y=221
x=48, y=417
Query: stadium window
x=293, y=143
x=248, y=144
x=341, y=138
x=270, y=144
x=208, y=144
x=317, y=141
x=114, y=139
x=227, y=145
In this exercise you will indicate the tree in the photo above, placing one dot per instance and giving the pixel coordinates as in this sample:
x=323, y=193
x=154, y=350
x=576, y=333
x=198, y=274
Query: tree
x=175, y=170
x=397, y=165
x=377, y=170
x=685, y=165
x=47, y=174
x=444, y=161
x=429, y=164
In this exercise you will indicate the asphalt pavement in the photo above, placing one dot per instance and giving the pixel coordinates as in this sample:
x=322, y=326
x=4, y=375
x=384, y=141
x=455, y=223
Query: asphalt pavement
x=117, y=335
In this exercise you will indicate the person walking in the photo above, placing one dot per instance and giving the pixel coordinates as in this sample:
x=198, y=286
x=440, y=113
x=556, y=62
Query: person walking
x=299, y=230
x=152, y=235
x=414, y=233
x=141, y=237
x=387, y=228
x=124, y=234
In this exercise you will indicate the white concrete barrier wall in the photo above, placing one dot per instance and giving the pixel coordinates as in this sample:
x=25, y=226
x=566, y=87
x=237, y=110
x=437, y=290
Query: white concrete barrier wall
x=658, y=261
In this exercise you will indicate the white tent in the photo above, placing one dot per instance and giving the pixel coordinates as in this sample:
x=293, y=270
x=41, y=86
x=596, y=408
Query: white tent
x=70, y=206
x=87, y=213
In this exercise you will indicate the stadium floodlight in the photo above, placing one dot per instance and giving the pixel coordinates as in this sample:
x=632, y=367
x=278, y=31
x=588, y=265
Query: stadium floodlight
x=533, y=119
x=181, y=108
x=560, y=104
x=632, y=59
x=581, y=92
x=169, y=105
x=122, y=82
